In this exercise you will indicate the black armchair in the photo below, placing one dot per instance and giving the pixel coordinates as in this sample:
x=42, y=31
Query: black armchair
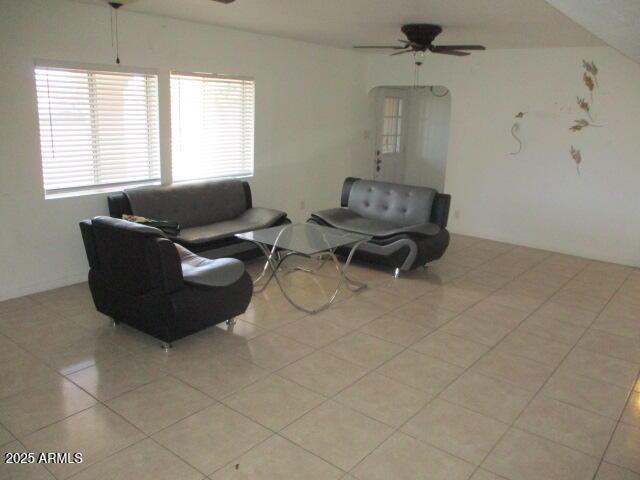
x=139, y=277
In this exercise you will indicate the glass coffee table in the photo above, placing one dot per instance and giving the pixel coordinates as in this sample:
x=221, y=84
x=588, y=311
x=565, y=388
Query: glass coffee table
x=305, y=240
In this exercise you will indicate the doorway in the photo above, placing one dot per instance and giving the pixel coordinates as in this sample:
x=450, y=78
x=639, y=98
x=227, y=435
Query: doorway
x=390, y=135
x=412, y=135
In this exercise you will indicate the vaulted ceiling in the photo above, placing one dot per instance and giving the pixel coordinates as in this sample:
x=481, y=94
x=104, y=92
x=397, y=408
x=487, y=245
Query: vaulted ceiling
x=617, y=22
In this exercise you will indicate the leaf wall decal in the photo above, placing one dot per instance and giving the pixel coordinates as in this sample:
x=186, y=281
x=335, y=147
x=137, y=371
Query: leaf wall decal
x=588, y=81
x=577, y=157
x=584, y=105
x=515, y=130
x=592, y=69
x=579, y=125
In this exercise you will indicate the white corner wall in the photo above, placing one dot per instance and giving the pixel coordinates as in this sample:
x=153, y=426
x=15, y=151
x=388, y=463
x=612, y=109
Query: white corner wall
x=537, y=198
x=311, y=114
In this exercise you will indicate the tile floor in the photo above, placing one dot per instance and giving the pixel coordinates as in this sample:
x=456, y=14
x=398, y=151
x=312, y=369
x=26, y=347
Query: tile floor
x=497, y=362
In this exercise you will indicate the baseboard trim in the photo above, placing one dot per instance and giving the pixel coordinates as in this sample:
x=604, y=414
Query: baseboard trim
x=634, y=263
x=23, y=290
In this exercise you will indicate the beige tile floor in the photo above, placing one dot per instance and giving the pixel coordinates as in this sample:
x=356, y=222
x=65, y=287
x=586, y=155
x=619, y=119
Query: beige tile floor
x=497, y=362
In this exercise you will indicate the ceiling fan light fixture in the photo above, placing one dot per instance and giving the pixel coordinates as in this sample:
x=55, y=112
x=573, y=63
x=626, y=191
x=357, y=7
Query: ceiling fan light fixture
x=420, y=37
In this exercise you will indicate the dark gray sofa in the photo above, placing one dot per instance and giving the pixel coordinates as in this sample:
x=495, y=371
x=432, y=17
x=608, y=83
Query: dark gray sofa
x=408, y=223
x=209, y=212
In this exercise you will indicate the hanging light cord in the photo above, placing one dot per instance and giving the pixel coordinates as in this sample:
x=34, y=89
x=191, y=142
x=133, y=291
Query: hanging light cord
x=416, y=71
x=114, y=12
x=111, y=18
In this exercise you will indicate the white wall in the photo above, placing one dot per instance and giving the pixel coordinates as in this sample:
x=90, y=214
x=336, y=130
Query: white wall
x=427, y=142
x=537, y=198
x=311, y=113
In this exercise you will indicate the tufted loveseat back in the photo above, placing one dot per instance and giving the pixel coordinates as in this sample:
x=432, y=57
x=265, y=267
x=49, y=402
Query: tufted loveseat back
x=401, y=204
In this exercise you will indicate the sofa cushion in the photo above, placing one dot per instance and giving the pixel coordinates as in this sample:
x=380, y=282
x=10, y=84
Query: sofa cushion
x=251, y=219
x=391, y=202
x=346, y=219
x=190, y=204
x=205, y=272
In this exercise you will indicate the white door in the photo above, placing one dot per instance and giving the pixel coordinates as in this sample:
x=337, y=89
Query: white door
x=390, y=109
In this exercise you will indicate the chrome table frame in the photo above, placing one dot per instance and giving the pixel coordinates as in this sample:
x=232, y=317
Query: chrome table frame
x=273, y=265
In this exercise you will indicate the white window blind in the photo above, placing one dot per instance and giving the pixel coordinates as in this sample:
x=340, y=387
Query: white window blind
x=212, y=126
x=98, y=129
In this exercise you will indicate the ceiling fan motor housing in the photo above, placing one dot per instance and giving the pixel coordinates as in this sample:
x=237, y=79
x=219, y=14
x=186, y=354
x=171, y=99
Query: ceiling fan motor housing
x=421, y=33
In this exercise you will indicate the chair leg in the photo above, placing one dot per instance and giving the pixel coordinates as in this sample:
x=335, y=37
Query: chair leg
x=166, y=346
x=114, y=322
x=396, y=272
x=231, y=322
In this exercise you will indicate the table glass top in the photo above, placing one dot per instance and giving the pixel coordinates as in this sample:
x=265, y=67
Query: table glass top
x=305, y=238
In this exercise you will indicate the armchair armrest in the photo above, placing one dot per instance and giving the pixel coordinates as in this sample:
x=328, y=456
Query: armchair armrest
x=86, y=228
x=170, y=265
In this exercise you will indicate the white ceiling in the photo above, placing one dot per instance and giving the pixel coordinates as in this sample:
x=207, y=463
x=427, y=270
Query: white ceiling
x=617, y=22
x=344, y=23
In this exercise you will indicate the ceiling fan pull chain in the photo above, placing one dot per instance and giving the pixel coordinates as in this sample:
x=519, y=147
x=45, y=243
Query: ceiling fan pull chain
x=111, y=18
x=114, y=12
x=117, y=41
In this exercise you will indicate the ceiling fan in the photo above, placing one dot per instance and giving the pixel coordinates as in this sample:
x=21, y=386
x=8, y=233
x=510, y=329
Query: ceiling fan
x=420, y=37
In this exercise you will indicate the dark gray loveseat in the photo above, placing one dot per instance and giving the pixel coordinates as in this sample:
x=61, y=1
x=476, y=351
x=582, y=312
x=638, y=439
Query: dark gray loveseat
x=408, y=223
x=209, y=212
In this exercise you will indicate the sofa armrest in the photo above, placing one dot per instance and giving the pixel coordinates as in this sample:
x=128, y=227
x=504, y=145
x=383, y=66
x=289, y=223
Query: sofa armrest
x=346, y=190
x=170, y=265
x=247, y=195
x=440, y=209
x=118, y=205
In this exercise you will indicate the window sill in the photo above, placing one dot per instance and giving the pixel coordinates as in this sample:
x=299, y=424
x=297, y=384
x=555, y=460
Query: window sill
x=95, y=191
x=210, y=179
x=118, y=188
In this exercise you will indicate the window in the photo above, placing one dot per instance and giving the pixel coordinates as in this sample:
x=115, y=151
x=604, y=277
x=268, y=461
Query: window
x=212, y=126
x=391, y=125
x=98, y=129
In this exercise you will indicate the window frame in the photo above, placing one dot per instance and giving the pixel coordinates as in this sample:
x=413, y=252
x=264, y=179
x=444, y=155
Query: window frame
x=98, y=68
x=396, y=120
x=244, y=78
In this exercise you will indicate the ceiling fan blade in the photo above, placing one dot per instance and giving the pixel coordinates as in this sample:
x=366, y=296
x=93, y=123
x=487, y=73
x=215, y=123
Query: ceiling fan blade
x=459, y=47
x=397, y=47
x=224, y=1
x=415, y=45
x=456, y=53
x=403, y=51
